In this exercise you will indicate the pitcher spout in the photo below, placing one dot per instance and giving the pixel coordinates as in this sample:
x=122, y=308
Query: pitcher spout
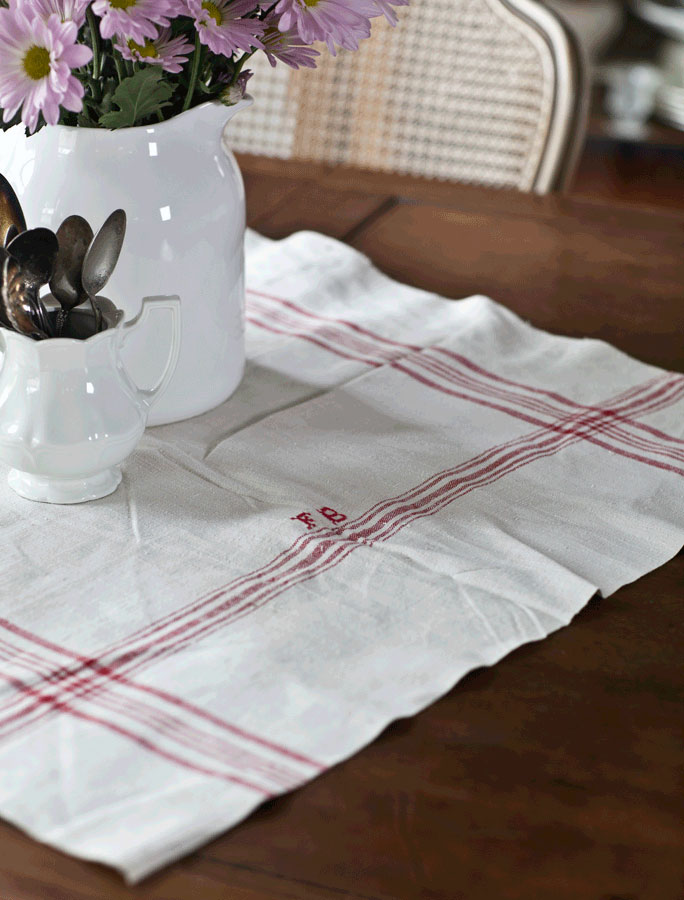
x=209, y=119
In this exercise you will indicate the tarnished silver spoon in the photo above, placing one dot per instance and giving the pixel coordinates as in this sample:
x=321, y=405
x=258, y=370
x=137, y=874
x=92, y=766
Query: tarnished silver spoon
x=11, y=212
x=103, y=255
x=18, y=298
x=36, y=251
x=74, y=236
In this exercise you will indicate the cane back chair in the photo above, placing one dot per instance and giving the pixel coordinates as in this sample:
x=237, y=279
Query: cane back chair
x=489, y=92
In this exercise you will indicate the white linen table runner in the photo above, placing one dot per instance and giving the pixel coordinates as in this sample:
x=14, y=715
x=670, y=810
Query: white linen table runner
x=402, y=489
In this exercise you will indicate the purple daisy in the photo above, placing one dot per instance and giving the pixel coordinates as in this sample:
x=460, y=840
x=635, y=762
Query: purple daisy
x=36, y=59
x=169, y=53
x=286, y=45
x=221, y=26
x=384, y=8
x=135, y=19
x=341, y=22
x=67, y=10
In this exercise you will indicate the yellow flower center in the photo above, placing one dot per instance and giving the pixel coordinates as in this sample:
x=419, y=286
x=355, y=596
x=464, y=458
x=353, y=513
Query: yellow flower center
x=37, y=63
x=146, y=50
x=310, y=2
x=122, y=4
x=213, y=11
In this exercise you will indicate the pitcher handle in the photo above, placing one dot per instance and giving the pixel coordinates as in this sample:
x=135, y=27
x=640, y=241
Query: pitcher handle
x=149, y=305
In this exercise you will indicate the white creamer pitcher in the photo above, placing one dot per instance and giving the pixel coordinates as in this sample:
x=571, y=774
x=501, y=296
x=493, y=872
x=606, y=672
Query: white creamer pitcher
x=69, y=411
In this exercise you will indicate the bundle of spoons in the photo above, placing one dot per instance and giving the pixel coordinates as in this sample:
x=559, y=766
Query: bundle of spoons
x=75, y=263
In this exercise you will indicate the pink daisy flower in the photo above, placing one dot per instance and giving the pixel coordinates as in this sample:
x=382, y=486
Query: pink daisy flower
x=286, y=45
x=36, y=59
x=67, y=10
x=221, y=26
x=341, y=22
x=384, y=8
x=169, y=53
x=136, y=19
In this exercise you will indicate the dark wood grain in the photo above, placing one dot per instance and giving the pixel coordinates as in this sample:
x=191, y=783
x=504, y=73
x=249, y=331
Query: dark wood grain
x=556, y=774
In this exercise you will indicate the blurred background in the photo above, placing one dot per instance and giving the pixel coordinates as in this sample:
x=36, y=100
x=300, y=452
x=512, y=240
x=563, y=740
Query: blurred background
x=634, y=149
x=463, y=90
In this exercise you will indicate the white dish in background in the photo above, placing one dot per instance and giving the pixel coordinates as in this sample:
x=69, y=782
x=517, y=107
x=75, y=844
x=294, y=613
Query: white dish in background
x=667, y=17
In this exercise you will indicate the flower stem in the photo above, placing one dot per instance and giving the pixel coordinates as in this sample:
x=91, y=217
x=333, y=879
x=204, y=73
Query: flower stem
x=193, y=73
x=240, y=63
x=118, y=62
x=95, y=39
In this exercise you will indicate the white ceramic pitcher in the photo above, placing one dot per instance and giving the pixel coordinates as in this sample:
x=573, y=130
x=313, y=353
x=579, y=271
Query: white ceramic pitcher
x=69, y=411
x=184, y=200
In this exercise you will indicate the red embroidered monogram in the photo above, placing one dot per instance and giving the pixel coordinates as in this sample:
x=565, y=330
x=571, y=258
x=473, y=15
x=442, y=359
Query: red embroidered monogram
x=306, y=518
x=326, y=511
x=332, y=515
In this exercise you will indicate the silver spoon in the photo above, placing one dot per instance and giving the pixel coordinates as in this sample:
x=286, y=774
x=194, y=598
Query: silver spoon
x=18, y=299
x=35, y=251
x=74, y=236
x=11, y=212
x=103, y=255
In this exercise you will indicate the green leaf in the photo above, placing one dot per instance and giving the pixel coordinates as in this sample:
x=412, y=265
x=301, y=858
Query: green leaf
x=15, y=120
x=109, y=86
x=138, y=97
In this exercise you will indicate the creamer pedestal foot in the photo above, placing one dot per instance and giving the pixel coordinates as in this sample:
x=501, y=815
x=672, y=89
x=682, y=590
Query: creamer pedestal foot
x=64, y=490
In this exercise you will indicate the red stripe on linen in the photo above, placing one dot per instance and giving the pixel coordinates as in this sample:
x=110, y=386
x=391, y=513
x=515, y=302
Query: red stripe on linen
x=143, y=742
x=317, y=561
x=110, y=673
x=359, y=329
x=376, y=342
x=213, y=597
x=382, y=340
x=319, y=558
x=312, y=340
x=335, y=557
x=325, y=331
x=559, y=398
x=231, y=755
x=454, y=376
x=534, y=421
x=661, y=445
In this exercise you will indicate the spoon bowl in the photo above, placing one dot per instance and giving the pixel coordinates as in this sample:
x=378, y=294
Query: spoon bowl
x=74, y=236
x=36, y=251
x=19, y=300
x=103, y=253
x=11, y=213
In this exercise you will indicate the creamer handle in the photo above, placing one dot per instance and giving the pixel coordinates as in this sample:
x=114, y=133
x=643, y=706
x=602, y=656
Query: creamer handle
x=150, y=305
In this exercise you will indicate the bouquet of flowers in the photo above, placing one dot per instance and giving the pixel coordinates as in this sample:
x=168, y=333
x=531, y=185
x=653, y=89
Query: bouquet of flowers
x=119, y=63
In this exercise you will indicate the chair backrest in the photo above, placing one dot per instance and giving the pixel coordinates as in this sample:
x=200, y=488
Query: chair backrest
x=482, y=91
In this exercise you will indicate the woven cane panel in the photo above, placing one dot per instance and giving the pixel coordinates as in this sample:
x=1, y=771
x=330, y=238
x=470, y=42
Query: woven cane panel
x=460, y=90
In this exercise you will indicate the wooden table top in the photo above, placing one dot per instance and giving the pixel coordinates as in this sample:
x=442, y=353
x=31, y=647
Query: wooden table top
x=555, y=774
